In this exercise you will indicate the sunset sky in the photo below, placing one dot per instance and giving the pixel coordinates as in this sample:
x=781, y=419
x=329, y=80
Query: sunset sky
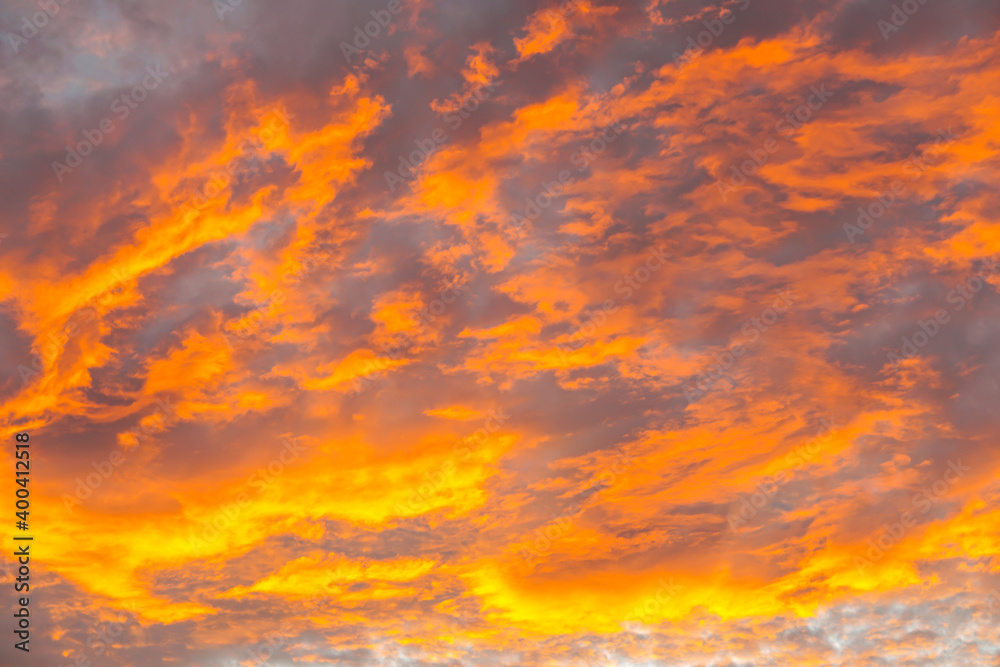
x=401, y=332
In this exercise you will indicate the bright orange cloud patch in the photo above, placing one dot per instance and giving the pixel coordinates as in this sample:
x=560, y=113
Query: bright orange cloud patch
x=565, y=333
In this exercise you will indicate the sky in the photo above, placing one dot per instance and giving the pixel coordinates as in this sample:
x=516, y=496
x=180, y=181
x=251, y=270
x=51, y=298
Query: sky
x=658, y=333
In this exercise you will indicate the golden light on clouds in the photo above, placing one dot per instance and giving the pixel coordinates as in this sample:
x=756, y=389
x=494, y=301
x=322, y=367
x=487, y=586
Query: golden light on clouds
x=564, y=333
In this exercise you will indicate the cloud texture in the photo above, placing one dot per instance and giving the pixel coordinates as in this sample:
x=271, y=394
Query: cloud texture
x=574, y=333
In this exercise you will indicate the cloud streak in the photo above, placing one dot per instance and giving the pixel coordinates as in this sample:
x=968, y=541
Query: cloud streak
x=551, y=305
